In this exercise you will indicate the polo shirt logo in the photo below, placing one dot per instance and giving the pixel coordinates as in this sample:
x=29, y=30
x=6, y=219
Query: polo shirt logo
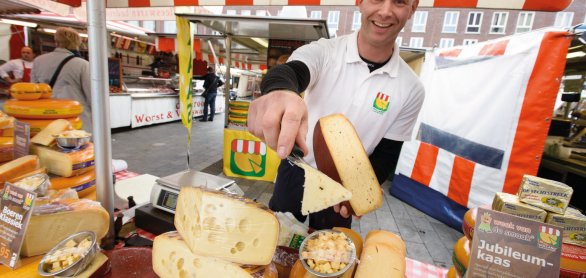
x=381, y=103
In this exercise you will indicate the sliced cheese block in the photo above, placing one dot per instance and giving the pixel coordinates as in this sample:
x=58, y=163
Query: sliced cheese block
x=357, y=239
x=469, y=222
x=573, y=261
x=320, y=191
x=226, y=226
x=43, y=108
x=6, y=149
x=386, y=237
x=41, y=170
x=45, y=137
x=574, y=224
x=45, y=231
x=37, y=125
x=18, y=167
x=66, y=163
x=379, y=260
x=510, y=204
x=340, y=155
x=549, y=195
x=461, y=256
x=172, y=258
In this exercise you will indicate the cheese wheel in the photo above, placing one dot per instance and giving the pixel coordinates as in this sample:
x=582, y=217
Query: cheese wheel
x=18, y=167
x=66, y=163
x=6, y=149
x=237, y=120
x=37, y=126
x=469, y=222
x=238, y=112
x=573, y=261
x=239, y=104
x=461, y=256
x=452, y=273
x=25, y=91
x=43, y=108
x=45, y=89
x=84, y=184
x=386, y=237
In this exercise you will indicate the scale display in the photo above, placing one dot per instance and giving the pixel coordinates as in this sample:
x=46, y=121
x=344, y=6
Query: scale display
x=168, y=199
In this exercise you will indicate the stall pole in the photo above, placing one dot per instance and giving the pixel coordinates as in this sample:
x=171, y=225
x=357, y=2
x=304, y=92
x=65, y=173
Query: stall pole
x=228, y=79
x=98, y=55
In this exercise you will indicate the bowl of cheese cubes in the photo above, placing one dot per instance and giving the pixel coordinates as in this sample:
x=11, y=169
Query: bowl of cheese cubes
x=71, y=256
x=327, y=253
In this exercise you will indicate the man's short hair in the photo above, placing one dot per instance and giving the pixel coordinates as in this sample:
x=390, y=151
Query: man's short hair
x=68, y=38
x=210, y=69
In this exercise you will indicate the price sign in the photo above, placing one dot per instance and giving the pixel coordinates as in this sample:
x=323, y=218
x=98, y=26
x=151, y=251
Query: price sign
x=15, y=211
x=22, y=139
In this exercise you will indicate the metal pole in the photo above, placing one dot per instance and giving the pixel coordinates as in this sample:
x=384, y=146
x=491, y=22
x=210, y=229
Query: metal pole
x=98, y=55
x=228, y=79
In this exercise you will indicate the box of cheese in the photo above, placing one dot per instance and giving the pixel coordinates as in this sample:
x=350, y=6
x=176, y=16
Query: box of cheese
x=510, y=204
x=574, y=224
x=549, y=195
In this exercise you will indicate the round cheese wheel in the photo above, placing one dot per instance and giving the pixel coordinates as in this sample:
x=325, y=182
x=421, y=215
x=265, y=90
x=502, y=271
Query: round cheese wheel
x=239, y=104
x=238, y=113
x=469, y=222
x=84, y=184
x=25, y=91
x=461, y=255
x=45, y=89
x=43, y=108
x=452, y=272
x=236, y=120
x=573, y=261
x=37, y=125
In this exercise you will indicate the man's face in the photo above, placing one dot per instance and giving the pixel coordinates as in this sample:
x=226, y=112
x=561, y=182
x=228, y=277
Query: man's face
x=27, y=54
x=382, y=20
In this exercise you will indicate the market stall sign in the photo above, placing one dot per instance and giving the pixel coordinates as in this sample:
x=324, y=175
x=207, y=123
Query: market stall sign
x=22, y=139
x=15, y=211
x=510, y=246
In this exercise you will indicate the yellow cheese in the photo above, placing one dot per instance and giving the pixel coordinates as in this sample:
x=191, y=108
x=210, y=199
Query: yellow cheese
x=18, y=167
x=172, y=258
x=239, y=105
x=574, y=224
x=41, y=170
x=226, y=226
x=45, y=89
x=84, y=184
x=510, y=204
x=469, y=222
x=7, y=132
x=320, y=191
x=66, y=163
x=45, y=137
x=573, y=261
x=43, y=108
x=461, y=256
x=382, y=256
x=386, y=237
x=357, y=239
x=547, y=194
x=45, y=231
x=25, y=91
x=37, y=125
x=340, y=155
x=452, y=273
x=6, y=121
x=99, y=260
x=6, y=149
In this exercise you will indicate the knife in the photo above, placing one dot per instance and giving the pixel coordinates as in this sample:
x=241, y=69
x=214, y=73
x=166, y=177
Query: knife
x=296, y=155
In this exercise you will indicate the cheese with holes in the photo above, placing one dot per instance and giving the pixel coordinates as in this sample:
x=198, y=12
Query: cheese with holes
x=46, y=230
x=43, y=108
x=461, y=256
x=66, y=163
x=383, y=255
x=469, y=222
x=549, y=195
x=320, y=191
x=574, y=224
x=339, y=153
x=573, y=261
x=226, y=226
x=172, y=258
x=6, y=149
x=510, y=204
x=45, y=137
x=18, y=167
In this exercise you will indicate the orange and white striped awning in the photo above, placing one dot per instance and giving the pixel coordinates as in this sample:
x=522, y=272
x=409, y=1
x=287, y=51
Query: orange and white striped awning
x=538, y=5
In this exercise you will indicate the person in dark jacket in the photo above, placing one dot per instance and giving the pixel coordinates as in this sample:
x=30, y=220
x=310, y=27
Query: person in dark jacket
x=210, y=85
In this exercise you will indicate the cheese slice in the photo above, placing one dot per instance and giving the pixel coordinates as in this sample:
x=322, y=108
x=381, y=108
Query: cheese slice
x=66, y=163
x=320, y=191
x=510, y=204
x=18, y=167
x=172, y=258
x=45, y=231
x=574, y=224
x=226, y=226
x=379, y=260
x=386, y=237
x=45, y=136
x=340, y=155
x=549, y=195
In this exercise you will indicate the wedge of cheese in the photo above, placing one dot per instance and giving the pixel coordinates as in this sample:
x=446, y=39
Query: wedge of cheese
x=66, y=163
x=547, y=194
x=510, y=204
x=574, y=224
x=340, y=155
x=383, y=255
x=320, y=191
x=172, y=258
x=226, y=226
x=45, y=136
x=18, y=167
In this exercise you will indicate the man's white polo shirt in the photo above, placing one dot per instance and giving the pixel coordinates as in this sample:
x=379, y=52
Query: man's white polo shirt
x=384, y=103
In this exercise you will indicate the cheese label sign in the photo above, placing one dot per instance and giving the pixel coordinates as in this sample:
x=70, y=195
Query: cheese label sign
x=15, y=211
x=22, y=139
x=509, y=246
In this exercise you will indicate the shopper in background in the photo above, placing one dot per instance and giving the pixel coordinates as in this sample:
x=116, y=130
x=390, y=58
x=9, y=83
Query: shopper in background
x=210, y=86
x=341, y=75
x=66, y=72
x=19, y=70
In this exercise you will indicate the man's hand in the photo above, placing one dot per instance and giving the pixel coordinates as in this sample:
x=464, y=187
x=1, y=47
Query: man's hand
x=279, y=119
x=345, y=210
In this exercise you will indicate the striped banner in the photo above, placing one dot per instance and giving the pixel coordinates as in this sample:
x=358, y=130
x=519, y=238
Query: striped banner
x=538, y=5
x=249, y=146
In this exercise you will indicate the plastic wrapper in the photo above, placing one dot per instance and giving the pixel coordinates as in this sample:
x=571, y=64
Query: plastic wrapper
x=38, y=183
x=547, y=194
x=63, y=204
x=292, y=232
x=66, y=163
x=510, y=204
x=574, y=224
x=327, y=253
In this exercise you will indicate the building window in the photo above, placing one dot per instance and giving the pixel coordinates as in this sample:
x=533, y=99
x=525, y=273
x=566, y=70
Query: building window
x=416, y=42
x=445, y=43
x=149, y=24
x=261, y=13
x=474, y=22
x=525, y=22
x=469, y=41
x=169, y=27
x=332, y=32
x=563, y=19
x=399, y=41
x=245, y=12
x=356, y=21
x=315, y=14
x=450, y=22
x=230, y=12
x=419, y=22
x=333, y=19
x=499, y=23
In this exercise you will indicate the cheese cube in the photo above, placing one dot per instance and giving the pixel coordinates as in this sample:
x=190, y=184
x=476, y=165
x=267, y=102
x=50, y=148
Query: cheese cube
x=320, y=191
x=574, y=224
x=66, y=163
x=510, y=204
x=172, y=258
x=226, y=226
x=547, y=194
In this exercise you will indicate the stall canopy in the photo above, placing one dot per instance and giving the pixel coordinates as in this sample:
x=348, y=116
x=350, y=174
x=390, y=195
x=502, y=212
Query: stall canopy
x=537, y=5
x=16, y=7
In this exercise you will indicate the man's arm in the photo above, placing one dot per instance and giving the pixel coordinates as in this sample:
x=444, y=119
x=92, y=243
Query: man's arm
x=385, y=157
x=7, y=67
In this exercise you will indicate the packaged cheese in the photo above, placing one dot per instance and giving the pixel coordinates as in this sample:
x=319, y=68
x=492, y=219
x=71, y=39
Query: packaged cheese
x=18, y=167
x=66, y=163
x=320, y=191
x=172, y=258
x=45, y=137
x=547, y=194
x=291, y=231
x=510, y=204
x=574, y=224
x=383, y=255
x=6, y=149
x=226, y=226
x=340, y=155
x=43, y=108
x=573, y=261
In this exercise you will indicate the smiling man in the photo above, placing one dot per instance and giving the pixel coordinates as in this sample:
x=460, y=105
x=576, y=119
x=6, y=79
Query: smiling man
x=359, y=75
